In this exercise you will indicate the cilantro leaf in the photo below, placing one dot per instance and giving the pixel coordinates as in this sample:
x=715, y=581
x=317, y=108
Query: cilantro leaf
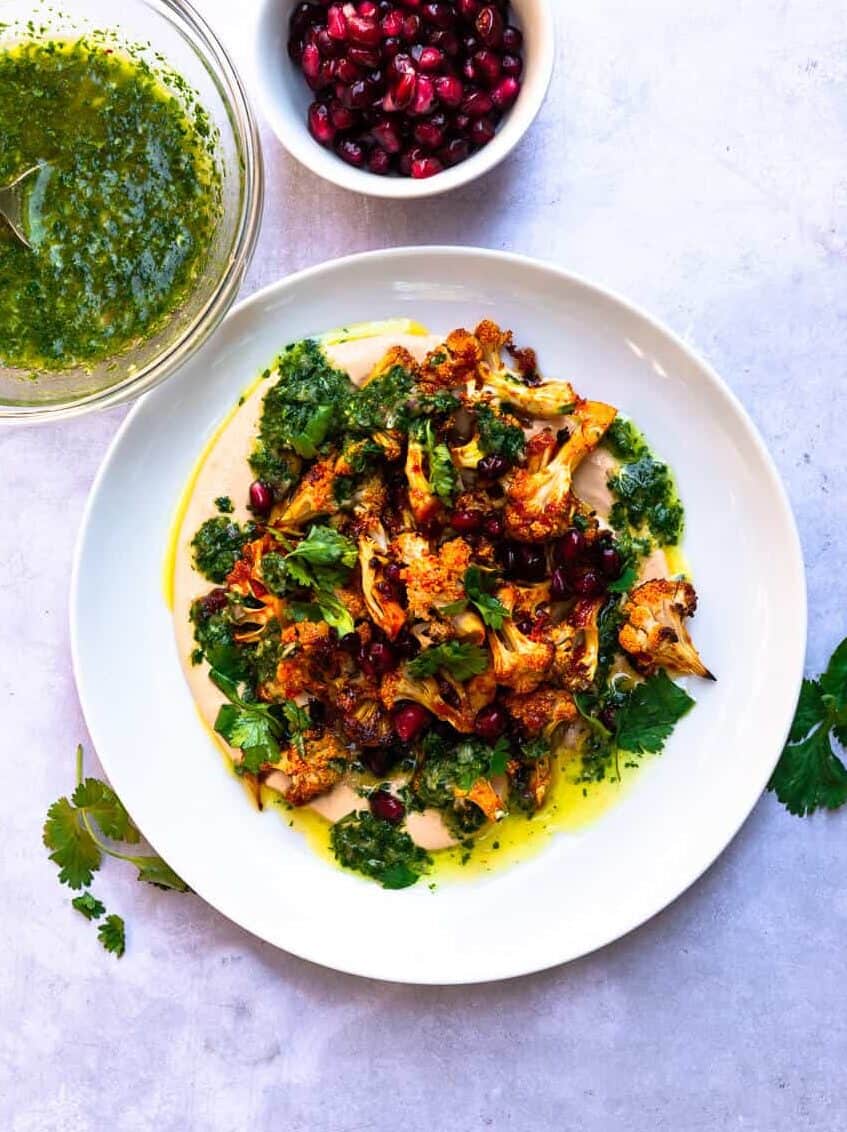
x=811, y=710
x=443, y=477
x=157, y=872
x=834, y=680
x=252, y=729
x=112, y=935
x=382, y=403
x=298, y=721
x=500, y=755
x=74, y=849
x=324, y=546
x=499, y=437
x=647, y=719
x=89, y=905
x=809, y=775
x=478, y=586
x=103, y=804
x=461, y=660
x=625, y=582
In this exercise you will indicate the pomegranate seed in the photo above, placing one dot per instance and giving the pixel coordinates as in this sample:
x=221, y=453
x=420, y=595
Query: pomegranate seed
x=214, y=602
x=327, y=46
x=466, y=522
x=610, y=562
x=505, y=93
x=342, y=117
x=471, y=44
x=423, y=167
x=492, y=467
x=382, y=657
x=379, y=161
x=364, y=57
x=368, y=10
x=345, y=71
x=392, y=24
x=468, y=9
x=424, y=98
x=586, y=582
x=357, y=96
x=570, y=547
x=410, y=720
x=295, y=49
x=493, y=526
x=311, y=62
x=261, y=498
x=532, y=563
x=477, y=104
x=446, y=41
x=491, y=722
x=366, y=32
x=322, y=128
x=391, y=47
x=512, y=39
x=402, y=64
x=387, y=136
x=411, y=28
x=487, y=65
x=429, y=133
x=400, y=95
x=482, y=131
x=428, y=58
x=439, y=14
x=336, y=22
x=351, y=152
x=258, y=589
x=386, y=807
x=449, y=90
x=489, y=26
x=512, y=65
x=469, y=71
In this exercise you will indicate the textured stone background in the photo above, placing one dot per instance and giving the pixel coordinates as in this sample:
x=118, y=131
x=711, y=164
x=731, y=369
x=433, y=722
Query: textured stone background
x=691, y=156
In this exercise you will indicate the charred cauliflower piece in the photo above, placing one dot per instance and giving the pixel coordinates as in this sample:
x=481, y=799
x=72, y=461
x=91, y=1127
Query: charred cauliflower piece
x=445, y=697
x=654, y=633
x=547, y=400
x=518, y=661
x=432, y=579
x=425, y=505
x=530, y=782
x=451, y=364
x=377, y=593
x=314, y=771
x=314, y=496
x=361, y=716
x=577, y=644
x=541, y=504
x=541, y=712
x=483, y=795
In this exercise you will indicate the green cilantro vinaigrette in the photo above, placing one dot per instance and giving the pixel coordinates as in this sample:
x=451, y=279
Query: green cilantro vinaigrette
x=121, y=214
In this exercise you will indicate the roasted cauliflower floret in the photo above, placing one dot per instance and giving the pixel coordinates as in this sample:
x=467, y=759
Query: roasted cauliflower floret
x=377, y=592
x=548, y=399
x=468, y=455
x=518, y=661
x=451, y=364
x=314, y=771
x=444, y=697
x=541, y=504
x=483, y=795
x=541, y=712
x=308, y=660
x=425, y=505
x=313, y=496
x=530, y=781
x=432, y=580
x=394, y=356
x=577, y=644
x=654, y=633
x=361, y=716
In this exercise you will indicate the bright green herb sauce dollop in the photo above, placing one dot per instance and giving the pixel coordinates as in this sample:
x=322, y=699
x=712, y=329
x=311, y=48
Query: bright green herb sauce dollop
x=120, y=216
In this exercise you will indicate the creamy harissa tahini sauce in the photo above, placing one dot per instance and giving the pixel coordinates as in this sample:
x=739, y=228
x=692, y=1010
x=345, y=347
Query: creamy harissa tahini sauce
x=223, y=470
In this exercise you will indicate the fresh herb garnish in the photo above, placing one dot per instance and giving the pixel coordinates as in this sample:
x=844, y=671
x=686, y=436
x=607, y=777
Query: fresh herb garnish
x=224, y=505
x=499, y=437
x=478, y=587
x=381, y=404
x=321, y=562
x=251, y=727
x=650, y=714
x=72, y=832
x=443, y=477
x=217, y=546
x=460, y=659
x=379, y=850
x=305, y=407
x=809, y=775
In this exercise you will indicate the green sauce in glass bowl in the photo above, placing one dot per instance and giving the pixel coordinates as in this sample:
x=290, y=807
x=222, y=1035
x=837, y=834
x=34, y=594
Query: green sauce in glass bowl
x=121, y=213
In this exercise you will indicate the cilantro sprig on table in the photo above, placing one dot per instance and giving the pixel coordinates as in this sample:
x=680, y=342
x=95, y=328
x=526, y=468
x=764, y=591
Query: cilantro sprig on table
x=77, y=832
x=809, y=775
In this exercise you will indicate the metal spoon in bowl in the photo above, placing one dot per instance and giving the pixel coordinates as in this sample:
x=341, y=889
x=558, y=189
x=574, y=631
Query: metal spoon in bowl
x=12, y=203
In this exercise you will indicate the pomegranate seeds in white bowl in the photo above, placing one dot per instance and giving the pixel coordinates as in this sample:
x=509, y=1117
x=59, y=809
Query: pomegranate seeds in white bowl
x=403, y=98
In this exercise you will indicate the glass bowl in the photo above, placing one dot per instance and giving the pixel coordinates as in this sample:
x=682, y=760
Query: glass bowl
x=170, y=36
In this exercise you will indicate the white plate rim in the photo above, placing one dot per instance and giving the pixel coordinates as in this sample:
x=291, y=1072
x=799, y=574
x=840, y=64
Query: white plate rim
x=720, y=387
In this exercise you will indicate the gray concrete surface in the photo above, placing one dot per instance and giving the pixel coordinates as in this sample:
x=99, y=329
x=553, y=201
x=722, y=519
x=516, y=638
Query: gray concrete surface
x=691, y=156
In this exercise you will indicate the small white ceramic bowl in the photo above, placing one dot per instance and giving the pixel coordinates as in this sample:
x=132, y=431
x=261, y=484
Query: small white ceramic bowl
x=285, y=99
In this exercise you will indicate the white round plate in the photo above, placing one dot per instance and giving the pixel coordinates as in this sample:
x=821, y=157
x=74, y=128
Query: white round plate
x=583, y=889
